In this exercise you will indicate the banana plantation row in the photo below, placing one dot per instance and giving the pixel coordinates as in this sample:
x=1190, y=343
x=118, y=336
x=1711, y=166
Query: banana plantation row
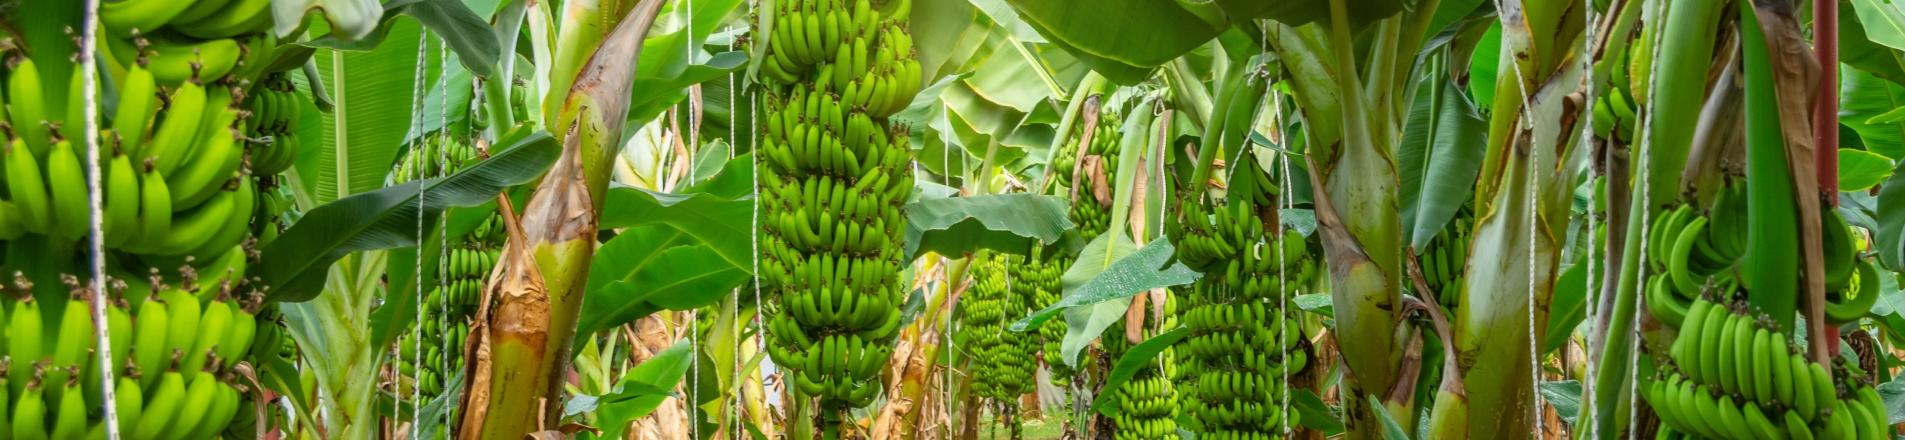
x=952, y=219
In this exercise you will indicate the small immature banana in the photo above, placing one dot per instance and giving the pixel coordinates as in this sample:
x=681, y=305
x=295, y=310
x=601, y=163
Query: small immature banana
x=121, y=201
x=29, y=411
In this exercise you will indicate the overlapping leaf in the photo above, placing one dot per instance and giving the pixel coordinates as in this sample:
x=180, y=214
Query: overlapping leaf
x=295, y=264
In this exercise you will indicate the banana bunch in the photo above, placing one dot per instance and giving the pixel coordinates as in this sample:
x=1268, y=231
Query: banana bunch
x=1148, y=403
x=1444, y=261
x=1736, y=376
x=442, y=335
x=435, y=150
x=1691, y=250
x=518, y=106
x=863, y=53
x=169, y=195
x=836, y=174
x=186, y=40
x=1242, y=344
x=275, y=105
x=1148, y=409
x=1035, y=281
x=1091, y=215
x=1002, y=360
x=173, y=352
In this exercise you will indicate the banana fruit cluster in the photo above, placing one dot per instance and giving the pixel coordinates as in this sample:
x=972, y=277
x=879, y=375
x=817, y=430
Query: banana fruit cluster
x=189, y=40
x=173, y=352
x=835, y=175
x=448, y=309
x=1147, y=409
x=1036, y=280
x=1691, y=250
x=1735, y=376
x=1445, y=260
x=1149, y=403
x=440, y=156
x=1003, y=361
x=275, y=105
x=450, y=305
x=1090, y=215
x=862, y=54
x=1242, y=344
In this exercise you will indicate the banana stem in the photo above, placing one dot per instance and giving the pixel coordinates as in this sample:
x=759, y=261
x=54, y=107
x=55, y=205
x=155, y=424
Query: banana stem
x=1771, y=279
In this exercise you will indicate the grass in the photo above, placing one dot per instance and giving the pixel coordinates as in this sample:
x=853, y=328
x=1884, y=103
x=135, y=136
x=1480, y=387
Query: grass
x=1047, y=428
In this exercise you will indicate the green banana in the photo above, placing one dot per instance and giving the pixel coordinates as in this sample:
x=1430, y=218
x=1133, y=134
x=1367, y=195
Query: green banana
x=155, y=212
x=179, y=61
x=241, y=17
x=163, y=408
x=27, y=108
x=25, y=343
x=69, y=421
x=121, y=201
x=122, y=16
x=29, y=411
x=214, y=323
x=66, y=181
x=1849, y=308
x=27, y=188
x=138, y=104
x=129, y=403
x=174, y=136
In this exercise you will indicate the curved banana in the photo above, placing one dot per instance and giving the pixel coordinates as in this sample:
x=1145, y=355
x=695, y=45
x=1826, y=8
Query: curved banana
x=182, y=315
x=152, y=325
x=138, y=105
x=175, y=61
x=66, y=181
x=123, y=16
x=214, y=322
x=198, y=226
x=27, y=106
x=25, y=343
x=231, y=233
x=1850, y=309
x=27, y=188
x=155, y=211
x=215, y=157
x=69, y=421
x=162, y=409
x=121, y=221
x=242, y=17
x=129, y=401
x=199, y=10
x=29, y=411
x=1677, y=266
x=184, y=113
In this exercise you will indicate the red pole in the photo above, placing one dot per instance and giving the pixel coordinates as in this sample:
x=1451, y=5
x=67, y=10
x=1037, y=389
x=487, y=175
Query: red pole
x=1825, y=112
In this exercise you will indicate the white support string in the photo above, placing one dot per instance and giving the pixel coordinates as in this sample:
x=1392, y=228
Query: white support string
x=417, y=98
x=1534, y=350
x=694, y=330
x=754, y=238
x=1646, y=204
x=443, y=226
x=89, y=80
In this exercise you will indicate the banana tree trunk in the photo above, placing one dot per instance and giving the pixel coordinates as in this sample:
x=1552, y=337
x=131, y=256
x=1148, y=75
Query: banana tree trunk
x=1524, y=203
x=519, y=344
x=1353, y=119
